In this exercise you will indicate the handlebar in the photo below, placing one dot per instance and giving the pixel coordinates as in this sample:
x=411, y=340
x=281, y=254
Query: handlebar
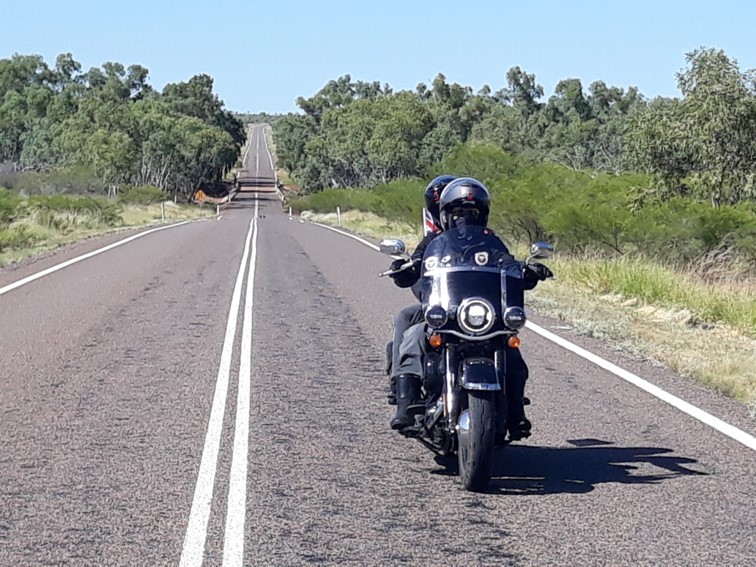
x=407, y=264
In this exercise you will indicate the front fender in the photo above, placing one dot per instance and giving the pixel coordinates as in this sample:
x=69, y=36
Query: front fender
x=479, y=374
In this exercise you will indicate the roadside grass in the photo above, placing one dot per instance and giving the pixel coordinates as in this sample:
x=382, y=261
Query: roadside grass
x=716, y=355
x=284, y=177
x=40, y=231
x=699, y=330
x=369, y=224
x=729, y=303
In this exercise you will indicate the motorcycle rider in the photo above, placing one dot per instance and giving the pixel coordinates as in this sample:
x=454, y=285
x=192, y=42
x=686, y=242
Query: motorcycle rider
x=464, y=202
x=412, y=314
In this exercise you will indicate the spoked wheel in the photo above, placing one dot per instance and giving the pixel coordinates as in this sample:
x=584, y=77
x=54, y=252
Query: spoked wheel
x=477, y=432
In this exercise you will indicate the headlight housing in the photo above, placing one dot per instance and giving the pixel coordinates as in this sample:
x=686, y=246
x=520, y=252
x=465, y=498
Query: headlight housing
x=515, y=318
x=476, y=315
x=436, y=316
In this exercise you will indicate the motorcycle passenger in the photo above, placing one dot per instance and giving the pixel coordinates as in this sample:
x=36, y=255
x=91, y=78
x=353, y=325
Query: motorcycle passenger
x=412, y=314
x=464, y=202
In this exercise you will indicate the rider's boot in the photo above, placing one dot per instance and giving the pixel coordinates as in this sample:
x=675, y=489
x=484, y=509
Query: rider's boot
x=408, y=401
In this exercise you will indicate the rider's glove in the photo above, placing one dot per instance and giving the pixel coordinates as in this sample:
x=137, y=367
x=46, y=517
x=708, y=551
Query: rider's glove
x=395, y=265
x=406, y=277
x=542, y=272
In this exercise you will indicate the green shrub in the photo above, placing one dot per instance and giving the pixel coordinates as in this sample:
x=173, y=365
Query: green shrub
x=19, y=236
x=581, y=212
x=8, y=205
x=140, y=195
x=401, y=200
x=65, y=210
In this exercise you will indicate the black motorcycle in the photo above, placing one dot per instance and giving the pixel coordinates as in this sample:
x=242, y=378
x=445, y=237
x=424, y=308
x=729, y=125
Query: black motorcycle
x=474, y=308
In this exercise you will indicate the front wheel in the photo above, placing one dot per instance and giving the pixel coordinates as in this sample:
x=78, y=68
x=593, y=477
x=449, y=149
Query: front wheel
x=477, y=431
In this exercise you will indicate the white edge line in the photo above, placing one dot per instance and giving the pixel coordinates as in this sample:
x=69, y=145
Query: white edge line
x=722, y=426
x=48, y=271
x=685, y=407
x=357, y=238
x=272, y=167
x=267, y=149
x=196, y=532
x=246, y=152
x=233, y=544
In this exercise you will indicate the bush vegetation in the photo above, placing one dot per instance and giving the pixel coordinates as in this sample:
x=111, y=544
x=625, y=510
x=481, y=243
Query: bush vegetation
x=679, y=253
x=63, y=130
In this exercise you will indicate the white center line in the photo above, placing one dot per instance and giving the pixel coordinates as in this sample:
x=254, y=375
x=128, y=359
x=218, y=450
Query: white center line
x=233, y=545
x=257, y=156
x=196, y=531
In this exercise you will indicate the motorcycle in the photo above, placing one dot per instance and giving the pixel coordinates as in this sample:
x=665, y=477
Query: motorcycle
x=474, y=309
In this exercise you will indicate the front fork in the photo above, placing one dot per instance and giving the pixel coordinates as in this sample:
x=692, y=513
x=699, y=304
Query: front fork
x=500, y=361
x=451, y=389
x=452, y=395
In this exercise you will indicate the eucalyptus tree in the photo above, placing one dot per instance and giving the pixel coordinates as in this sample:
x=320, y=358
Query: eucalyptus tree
x=703, y=145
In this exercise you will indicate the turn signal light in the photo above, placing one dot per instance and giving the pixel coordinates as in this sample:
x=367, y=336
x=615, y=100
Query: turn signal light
x=435, y=340
x=514, y=341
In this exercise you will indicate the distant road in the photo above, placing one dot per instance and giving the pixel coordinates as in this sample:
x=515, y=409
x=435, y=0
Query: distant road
x=257, y=171
x=214, y=394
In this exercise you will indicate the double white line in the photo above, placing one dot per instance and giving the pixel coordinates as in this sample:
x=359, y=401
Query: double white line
x=196, y=533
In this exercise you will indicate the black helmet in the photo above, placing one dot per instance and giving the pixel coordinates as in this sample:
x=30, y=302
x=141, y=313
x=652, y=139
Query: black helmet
x=433, y=194
x=464, y=197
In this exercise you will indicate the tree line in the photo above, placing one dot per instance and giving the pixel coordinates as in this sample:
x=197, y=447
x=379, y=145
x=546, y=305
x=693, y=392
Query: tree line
x=700, y=146
x=110, y=126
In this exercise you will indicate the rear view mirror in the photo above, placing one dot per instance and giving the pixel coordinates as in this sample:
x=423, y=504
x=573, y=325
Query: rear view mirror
x=541, y=250
x=393, y=247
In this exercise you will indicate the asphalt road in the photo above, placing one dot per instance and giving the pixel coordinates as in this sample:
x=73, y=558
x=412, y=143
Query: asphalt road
x=120, y=374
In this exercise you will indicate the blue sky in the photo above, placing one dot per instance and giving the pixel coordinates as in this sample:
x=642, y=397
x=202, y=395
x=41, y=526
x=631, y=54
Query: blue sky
x=263, y=55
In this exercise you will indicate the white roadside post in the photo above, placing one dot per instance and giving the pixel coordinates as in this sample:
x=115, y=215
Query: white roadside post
x=162, y=210
x=338, y=215
x=290, y=213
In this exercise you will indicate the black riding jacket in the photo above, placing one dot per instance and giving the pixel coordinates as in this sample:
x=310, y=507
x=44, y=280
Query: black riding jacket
x=411, y=276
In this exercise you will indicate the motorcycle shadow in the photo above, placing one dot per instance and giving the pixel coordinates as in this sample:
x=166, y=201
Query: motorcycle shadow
x=528, y=470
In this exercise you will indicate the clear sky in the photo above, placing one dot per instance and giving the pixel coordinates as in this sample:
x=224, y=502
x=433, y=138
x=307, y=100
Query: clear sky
x=263, y=54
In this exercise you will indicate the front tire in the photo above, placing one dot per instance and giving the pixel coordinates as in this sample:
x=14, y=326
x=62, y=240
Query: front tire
x=476, y=445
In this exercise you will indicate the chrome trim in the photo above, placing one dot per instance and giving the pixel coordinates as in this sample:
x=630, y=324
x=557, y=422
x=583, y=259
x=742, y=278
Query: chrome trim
x=442, y=270
x=475, y=337
x=450, y=398
x=483, y=386
x=463, y=424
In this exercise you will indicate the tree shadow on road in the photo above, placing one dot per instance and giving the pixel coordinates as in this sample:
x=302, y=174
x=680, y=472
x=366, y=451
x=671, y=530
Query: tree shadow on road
x=246, y=199
x=528, y=470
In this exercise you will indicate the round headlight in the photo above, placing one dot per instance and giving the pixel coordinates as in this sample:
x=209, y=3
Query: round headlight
x=436, y=316
x=475, y=315
x=515, y=318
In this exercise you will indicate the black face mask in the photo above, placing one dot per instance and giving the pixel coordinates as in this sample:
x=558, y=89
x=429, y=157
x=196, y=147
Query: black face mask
x=462, y=217
x=468, y=216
